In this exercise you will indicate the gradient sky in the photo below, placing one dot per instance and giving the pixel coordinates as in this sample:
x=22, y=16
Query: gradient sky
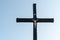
x=11, y=9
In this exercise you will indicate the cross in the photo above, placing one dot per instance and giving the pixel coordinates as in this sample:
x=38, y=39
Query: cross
x=35, y=20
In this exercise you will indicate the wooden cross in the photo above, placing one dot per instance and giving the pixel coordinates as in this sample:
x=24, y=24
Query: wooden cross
x=35, y=20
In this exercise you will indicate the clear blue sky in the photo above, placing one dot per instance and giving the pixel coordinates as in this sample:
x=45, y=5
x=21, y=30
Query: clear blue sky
x=11, y=9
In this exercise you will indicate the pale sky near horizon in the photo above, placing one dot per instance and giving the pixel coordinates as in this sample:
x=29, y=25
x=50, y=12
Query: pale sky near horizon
x=11, y=9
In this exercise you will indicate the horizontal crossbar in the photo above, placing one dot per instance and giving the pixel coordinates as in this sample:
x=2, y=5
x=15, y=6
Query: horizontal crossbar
x=45, y=20
x=32, y=20
x=24, y=19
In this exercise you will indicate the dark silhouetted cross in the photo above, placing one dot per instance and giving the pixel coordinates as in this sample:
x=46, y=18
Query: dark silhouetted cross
x=35, y=20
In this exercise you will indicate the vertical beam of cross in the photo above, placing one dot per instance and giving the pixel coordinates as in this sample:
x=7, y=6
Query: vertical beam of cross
x=34, y=23
x=35, y=20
